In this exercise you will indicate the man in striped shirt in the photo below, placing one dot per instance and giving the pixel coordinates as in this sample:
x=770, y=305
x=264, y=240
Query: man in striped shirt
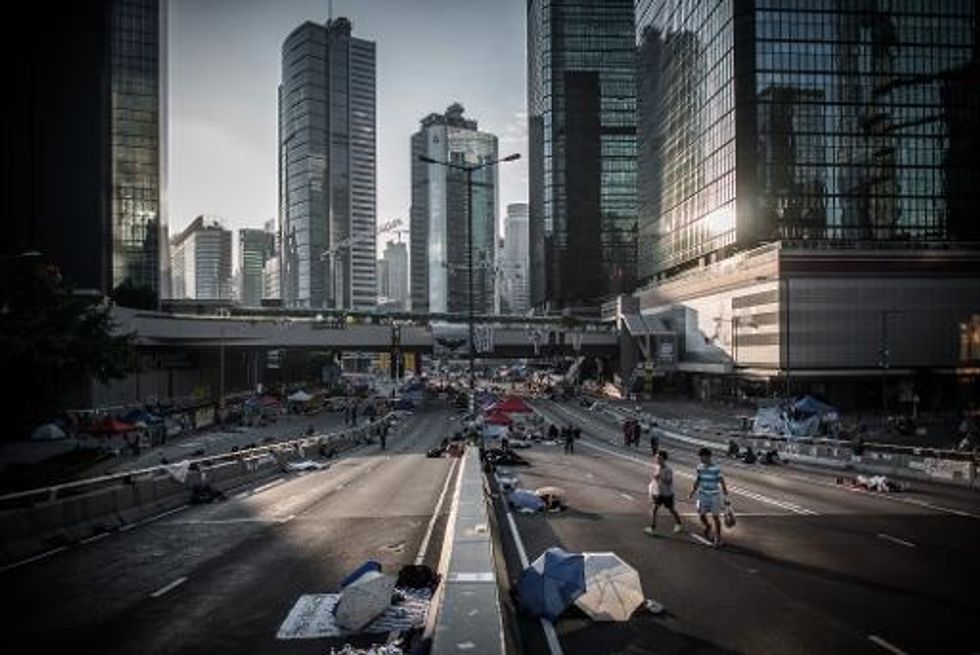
x=712, y=491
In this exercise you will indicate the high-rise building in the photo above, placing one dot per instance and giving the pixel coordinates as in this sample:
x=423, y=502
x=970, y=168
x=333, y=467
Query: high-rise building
x=201, y=261
x=582, y=147
x=395, y=272
x=439, y=225
x=514, y=267
x=255, y=247
x=85, y=140
x=802, y=186
x=327, y=194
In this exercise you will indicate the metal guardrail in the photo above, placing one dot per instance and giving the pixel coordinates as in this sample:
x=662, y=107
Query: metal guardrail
x=58, y=491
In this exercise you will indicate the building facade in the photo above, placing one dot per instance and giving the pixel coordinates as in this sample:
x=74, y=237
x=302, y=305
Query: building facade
x=514, y=264
x=84, y=157
x=395, y=267
x=200, y=261
x=255, y=248
x=582, y=147
x=327, y=168
x=802, y=188
x=438, y=223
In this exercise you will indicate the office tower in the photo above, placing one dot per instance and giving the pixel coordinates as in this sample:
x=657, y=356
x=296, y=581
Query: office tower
x=803, y=187
x=440, y=258
x=514, y=260
x=395, y=273
x=201, y=261
x=327, y=168
x=582, y=146
x=255, y=247
x=84, y=156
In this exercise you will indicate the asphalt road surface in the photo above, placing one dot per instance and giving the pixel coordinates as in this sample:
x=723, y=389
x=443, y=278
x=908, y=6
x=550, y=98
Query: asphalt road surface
x=221, y=578
x=810, y=567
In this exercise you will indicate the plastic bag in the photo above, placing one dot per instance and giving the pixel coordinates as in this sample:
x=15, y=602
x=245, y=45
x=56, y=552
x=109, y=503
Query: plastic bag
x=729, y=516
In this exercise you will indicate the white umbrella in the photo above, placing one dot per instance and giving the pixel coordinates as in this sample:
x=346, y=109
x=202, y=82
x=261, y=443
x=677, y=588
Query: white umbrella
x=612, y=588
x=299, y=397
x=364, y=600
x=48, y=432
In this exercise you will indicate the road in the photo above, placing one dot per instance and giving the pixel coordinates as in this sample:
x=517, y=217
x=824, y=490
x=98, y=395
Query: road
x=811, y=566
x=221, y=578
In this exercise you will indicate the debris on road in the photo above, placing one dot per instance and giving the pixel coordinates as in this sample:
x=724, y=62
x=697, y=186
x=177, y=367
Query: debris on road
x=305, y=465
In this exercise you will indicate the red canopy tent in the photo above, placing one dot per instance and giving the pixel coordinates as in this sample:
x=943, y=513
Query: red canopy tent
x=110, y=426
x=510, y=405
x=498, y=418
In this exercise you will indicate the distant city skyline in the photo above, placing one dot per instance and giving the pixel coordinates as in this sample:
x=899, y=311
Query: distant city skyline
x=224, y=66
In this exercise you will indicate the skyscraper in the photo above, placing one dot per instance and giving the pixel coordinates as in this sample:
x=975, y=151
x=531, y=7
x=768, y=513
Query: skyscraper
x=396, y=273
x=514, y=261
x=255, y=247
x=803, y=191
x=84, y=155
x=327, y=194
x=439, y=225
x=201, y=261
x=582, y=146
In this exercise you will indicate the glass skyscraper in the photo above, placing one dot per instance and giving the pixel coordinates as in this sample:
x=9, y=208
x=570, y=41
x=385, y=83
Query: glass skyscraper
x=439, y=221
x=805, y=121
x=327, y=180
x=582, y=146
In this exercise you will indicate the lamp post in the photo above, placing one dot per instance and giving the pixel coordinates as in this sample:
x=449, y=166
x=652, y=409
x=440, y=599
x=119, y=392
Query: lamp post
x=469, y=170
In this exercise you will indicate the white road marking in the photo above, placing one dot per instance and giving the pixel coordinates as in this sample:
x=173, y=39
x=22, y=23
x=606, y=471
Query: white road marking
x=887, y=646
x=627, y=496
x=47, y=553
x=160, y=515
x=261, y=488
x=895, y=540
x=701, y=540
x=173, y=585
x=424, y=546
x=93, y=538
x=286, y=519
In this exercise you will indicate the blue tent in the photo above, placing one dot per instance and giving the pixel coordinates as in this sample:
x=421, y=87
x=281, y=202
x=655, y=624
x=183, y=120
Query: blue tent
x=810, y=405
x=521, y=499
x=552, y=583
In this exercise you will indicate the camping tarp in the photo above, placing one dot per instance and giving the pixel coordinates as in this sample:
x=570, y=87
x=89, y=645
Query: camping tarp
x=498, y=418
x=810, y=405
x=511, y=404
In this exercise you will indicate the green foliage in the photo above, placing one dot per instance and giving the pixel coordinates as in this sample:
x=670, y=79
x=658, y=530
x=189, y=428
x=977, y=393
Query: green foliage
x=52, y=338
x=134, y=296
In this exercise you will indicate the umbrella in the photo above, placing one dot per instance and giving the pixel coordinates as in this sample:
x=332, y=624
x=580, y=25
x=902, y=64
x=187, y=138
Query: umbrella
x=550, y=491
x=299, y=397
x=612, y=588
x=552, y=583
x=523, y=499
x=48, y=432
x=498, y=418
x=364, y=599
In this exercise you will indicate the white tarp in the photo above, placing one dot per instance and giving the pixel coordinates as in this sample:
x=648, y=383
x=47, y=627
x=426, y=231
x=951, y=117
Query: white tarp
x=179, y=470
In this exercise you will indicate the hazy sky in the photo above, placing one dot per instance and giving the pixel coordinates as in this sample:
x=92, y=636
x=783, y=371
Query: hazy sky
x=224, y=66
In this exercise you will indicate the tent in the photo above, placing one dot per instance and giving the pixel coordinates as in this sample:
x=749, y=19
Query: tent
x=498, y=418
x=810, y=405
x=552, y=583
x=109, y=426
x=510, y=405
x=299, y=397
x=48, y=432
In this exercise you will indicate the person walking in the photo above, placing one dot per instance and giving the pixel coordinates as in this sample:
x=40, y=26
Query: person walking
x=569, y=436
x=712, y=492
x=384, y=435
x=662, y=493
x=654, y=438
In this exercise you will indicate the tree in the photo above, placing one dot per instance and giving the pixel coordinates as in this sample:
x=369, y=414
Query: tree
x=128, y=294
x=53, y=339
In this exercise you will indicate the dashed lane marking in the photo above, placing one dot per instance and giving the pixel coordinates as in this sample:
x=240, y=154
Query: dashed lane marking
x=895, y=540
x=45, y=554
x=173, y=585
x=628, y=497
x=891, y=648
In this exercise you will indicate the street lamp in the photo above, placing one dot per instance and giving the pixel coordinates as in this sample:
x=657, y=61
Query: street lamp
x=469, y=170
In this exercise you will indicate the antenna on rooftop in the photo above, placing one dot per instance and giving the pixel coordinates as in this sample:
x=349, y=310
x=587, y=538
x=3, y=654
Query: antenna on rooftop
x=329, y=11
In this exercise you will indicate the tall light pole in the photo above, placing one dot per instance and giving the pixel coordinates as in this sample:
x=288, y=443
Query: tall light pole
x=469, y=170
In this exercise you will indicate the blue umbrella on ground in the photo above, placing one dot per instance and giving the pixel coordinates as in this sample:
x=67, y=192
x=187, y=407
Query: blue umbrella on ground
x=523, y=499
x=552, y=583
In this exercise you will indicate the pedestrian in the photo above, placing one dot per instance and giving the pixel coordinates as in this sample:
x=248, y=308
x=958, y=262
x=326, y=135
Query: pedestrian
x=627, y=432
x=662, y=492
x=384, y=435
x=569, y=435
x=353, y=414
x=654, y=438
x=576, y=433
x=553, y=432
x=712, y=492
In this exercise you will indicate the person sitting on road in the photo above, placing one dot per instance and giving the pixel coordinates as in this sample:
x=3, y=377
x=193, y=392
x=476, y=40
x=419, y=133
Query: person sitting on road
x=749, y=457
x=733, y=449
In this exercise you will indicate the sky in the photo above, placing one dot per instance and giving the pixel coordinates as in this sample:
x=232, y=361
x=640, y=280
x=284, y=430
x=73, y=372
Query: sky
x=224, y=62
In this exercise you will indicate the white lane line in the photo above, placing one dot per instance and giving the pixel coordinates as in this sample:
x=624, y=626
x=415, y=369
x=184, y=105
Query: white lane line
x=895, y=540
x=261, y=488
x=884, y=644
x=286, y=519
x=554, y=646
x=768, y=500
x=93, y=538
x=701, y=540
x=424, y=546
x=173, y=585
x=161, y=515
x=627, y=496
x=47, y=553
